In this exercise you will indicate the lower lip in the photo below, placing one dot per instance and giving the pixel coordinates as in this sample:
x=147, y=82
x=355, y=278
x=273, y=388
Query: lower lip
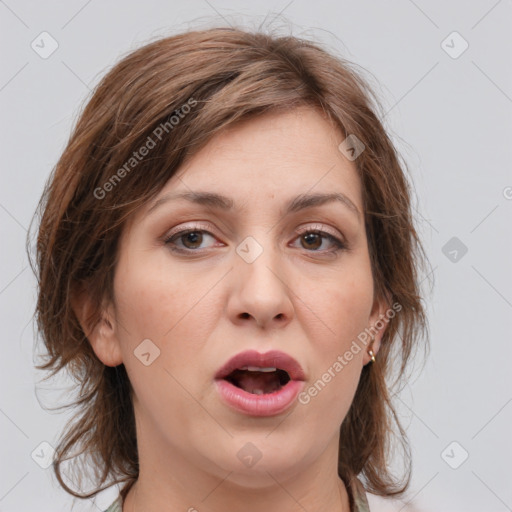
x=259, y=405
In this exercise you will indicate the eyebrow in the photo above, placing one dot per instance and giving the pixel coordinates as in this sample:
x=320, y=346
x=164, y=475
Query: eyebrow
x=218, y=201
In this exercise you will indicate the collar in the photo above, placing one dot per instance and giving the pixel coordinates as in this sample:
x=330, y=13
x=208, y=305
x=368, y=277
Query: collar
x=357, y=496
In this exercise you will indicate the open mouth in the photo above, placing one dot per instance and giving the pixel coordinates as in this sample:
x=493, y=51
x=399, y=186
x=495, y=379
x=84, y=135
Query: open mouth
x=259, y=384
x=258, y=381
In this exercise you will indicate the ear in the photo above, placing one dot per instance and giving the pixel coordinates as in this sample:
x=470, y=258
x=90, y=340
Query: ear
x=378, y=324
x=102, y=334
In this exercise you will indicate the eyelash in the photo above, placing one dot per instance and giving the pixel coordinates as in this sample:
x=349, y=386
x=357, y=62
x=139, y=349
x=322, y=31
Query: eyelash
x=169, y=240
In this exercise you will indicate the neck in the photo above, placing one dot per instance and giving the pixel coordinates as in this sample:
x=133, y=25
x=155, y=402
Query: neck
x=142, y=497
x=171, y=480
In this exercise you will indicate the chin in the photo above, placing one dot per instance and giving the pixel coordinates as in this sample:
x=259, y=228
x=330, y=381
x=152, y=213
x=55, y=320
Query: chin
x=253, y=461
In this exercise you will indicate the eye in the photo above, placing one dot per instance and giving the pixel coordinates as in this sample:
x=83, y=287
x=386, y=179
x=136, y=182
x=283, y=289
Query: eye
x=193, y=240
x=188, y=240
x=313, y=239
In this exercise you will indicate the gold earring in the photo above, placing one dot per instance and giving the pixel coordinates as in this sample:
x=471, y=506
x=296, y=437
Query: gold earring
x=370, y=352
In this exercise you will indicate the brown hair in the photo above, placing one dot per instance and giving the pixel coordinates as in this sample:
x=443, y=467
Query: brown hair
x=224, y=75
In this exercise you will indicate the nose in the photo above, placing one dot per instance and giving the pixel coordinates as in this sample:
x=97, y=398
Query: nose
x=261, y=292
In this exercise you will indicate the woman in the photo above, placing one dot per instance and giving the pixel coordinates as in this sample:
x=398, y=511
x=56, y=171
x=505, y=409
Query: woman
x=228, y=267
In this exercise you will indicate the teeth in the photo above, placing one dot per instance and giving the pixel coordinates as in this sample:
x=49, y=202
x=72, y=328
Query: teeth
x=258, y=369
x=257, y=392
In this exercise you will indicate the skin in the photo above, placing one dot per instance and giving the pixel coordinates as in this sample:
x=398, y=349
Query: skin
x=202, y=308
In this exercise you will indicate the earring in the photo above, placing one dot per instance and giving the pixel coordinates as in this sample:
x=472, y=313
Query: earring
x=370, y=352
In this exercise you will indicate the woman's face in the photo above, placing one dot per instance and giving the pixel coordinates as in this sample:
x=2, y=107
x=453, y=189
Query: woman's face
x=250, y=275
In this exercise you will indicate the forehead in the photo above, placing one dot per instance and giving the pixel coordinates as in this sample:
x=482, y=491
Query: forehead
x=270, y=156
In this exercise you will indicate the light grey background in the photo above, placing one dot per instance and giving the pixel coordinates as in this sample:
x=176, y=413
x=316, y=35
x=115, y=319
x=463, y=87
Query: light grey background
x=450, y=117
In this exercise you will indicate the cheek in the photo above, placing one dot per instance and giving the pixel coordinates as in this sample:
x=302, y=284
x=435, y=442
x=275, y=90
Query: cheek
x=336, y=312
x=154, y=299
x=172, y=309
x=337, y=307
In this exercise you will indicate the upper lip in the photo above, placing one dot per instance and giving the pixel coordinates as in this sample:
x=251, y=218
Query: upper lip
x=274, y=359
